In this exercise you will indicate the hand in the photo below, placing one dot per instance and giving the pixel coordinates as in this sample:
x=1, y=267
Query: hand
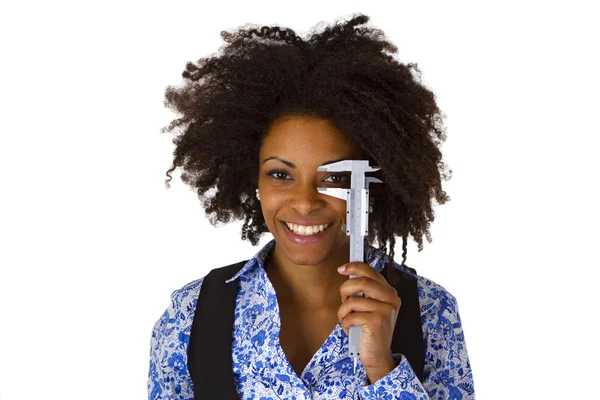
x=377, y=316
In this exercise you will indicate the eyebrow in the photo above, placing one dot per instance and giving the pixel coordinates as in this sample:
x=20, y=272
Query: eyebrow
x=292, y=165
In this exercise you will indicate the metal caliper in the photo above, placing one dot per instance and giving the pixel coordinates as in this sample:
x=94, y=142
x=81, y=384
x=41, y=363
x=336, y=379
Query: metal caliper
x=357, y=222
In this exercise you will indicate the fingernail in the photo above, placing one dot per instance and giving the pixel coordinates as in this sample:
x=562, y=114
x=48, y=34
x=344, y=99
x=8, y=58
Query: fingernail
x=342, y=268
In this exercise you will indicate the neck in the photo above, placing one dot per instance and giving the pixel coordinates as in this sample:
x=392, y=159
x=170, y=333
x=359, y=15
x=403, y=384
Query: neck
x=307, y=287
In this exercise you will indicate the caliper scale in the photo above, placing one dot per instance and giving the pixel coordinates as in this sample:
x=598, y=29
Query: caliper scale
x=357, y=222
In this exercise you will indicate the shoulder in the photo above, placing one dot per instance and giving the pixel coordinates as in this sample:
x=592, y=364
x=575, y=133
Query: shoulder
x=185, y=298
x=180, y=311
x=168, y=344
x=436, y=302
x=447, y=366
x=183, y=302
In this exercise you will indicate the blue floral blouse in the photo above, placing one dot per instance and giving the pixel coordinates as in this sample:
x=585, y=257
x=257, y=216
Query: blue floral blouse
x=262, y=372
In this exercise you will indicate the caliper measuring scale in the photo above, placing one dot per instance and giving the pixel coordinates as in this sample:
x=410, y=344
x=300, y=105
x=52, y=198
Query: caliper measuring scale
x=357, y=222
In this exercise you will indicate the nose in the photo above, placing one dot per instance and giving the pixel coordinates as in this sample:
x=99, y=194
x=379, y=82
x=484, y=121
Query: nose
x=306, y=200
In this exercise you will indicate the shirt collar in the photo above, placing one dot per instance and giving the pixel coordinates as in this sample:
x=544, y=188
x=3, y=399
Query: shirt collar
x=375, y=257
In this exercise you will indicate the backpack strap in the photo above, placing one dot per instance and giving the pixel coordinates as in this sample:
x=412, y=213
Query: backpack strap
x=408, y=333
x=210, y=360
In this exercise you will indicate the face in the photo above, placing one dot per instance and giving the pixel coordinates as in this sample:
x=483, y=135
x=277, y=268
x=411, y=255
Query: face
x=288, y=186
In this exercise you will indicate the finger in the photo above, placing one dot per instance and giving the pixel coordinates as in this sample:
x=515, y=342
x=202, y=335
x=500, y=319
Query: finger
x=368, y=287
x=361, y=269
x=367, y=321
x=362, y=305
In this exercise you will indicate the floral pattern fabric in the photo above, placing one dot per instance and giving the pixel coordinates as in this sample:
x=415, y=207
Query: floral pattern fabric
x=262, y=372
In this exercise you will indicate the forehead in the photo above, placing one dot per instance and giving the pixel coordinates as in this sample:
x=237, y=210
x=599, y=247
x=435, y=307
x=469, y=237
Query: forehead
x=306, y=137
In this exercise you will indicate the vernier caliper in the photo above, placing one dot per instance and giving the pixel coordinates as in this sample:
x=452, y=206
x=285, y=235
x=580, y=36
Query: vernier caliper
x=357, y=222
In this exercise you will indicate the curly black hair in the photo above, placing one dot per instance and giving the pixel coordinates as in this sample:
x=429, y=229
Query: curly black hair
x=342, y=74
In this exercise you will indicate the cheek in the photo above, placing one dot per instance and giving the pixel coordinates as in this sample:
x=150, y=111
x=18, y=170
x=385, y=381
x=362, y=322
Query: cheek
x=269, y=208
x=340, y=208
x=270, y=203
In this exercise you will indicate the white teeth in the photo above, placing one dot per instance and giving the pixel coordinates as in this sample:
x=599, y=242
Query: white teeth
x=306, y=230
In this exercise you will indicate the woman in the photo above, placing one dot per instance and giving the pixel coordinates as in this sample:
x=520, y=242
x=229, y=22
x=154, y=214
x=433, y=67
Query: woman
x=257, y=122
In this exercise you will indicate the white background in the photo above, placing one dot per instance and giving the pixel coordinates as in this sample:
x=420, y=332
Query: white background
x=93, y=243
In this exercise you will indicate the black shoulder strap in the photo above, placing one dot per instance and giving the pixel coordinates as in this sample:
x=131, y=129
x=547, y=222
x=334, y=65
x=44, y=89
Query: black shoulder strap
x=210, y=360
x=408, y=333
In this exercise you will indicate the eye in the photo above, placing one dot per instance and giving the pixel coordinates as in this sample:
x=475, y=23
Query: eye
x=340, y=177
x=276, y=171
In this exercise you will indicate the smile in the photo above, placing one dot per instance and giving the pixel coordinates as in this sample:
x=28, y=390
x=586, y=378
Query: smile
x=303, y=230
x=303, y=238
